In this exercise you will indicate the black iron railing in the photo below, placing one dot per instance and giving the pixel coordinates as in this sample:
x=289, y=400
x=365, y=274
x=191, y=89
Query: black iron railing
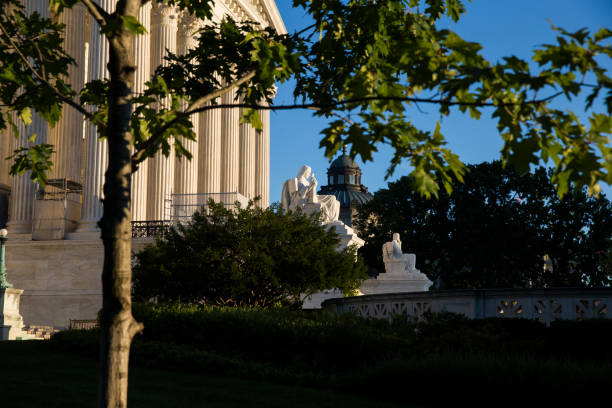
x=144, y=229
x=83, y=324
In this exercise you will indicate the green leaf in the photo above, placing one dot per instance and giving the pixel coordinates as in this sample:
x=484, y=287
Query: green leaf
x=26, y=116
x=252, y=116
x=111, y=27
x=133, y=25
x=56, y=6
x=425, y=184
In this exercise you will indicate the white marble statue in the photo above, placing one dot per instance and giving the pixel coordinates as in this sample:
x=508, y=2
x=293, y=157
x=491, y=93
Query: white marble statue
x=392, y=254
x=400, y=274
x=301, y=192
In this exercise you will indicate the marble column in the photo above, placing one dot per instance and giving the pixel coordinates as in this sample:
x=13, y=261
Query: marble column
x=246, y=185
x=161, y=168
x=22, y=188
x=96, y=150
x=209, y=152
x=142, y=47
x=262, y=160
x=6, y=138
x=67, y=136
x=230, y=141
x=186, y=171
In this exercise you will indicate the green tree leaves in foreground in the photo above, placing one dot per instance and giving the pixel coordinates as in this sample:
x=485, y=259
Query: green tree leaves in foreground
x=494, y=231
x=251, y=257
x=364, y=65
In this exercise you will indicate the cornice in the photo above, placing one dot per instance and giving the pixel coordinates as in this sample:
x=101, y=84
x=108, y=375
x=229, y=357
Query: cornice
x=269, y=6
x=262, y=11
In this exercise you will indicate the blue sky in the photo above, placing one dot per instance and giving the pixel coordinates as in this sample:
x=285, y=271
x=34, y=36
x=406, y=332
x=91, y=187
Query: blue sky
x=503, y=27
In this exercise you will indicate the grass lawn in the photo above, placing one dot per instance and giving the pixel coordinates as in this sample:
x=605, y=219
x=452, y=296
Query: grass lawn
x=34, y=375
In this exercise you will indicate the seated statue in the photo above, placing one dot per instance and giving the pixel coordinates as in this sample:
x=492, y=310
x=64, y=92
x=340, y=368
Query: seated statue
x=400, y=273
x=301, y=192
x=395, y=260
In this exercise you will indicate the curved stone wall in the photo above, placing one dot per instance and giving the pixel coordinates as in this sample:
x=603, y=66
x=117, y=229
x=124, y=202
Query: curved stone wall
x=544, y=305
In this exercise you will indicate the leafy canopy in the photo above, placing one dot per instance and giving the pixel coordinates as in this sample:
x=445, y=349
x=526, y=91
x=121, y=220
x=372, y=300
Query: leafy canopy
x=495, y=230
x=250, y=256
x=363, y=64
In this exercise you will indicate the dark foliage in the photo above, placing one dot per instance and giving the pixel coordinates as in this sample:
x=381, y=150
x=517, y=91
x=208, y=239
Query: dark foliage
x=569, y=359
x=252, y=256
x=325, y=342
x=494, y=231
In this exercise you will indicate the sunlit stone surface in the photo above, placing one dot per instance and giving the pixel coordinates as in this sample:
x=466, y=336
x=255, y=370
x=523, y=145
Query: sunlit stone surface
x=400, y=273
x=61, y=278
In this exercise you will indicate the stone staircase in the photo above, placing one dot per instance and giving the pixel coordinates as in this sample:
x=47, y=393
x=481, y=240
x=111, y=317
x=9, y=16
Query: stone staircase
x=35, y=332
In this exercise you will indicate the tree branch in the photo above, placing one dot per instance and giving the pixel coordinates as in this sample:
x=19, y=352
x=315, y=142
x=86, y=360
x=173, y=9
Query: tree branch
x=97, y=12
x=205, y=99
x=342, y=117
x=199, y=106
x=331, y=105
x=139, y=156
x=302, y=31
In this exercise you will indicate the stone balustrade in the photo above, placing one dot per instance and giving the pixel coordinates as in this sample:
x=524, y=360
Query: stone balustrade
x=544, y=305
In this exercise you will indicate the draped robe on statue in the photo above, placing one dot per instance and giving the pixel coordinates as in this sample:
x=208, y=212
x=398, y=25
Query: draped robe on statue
x=301, y=192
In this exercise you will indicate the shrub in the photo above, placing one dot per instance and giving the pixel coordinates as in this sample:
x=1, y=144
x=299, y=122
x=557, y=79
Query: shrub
x=446, y=352
x=251, y=256
x=283, y=337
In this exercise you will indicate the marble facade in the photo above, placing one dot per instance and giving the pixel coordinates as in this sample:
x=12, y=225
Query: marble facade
x=61, y=278
x=227, y=157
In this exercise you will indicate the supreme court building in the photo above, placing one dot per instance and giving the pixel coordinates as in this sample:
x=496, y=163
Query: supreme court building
x=54, y=252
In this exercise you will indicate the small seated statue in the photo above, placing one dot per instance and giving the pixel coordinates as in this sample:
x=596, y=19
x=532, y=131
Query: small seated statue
x=395, y=260
x=301, y=192
x=400, y=273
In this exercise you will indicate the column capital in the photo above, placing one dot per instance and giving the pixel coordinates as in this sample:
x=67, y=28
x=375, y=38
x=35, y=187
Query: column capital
x=188, y=23
x=164, y=14
x=187, y=26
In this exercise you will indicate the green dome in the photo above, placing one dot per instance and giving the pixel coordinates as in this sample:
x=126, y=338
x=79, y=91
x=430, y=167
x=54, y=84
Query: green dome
x=346, y=197
x=343, y=162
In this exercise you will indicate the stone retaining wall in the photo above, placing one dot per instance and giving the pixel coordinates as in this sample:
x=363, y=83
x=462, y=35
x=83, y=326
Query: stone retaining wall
x=61, y=279
x=545, y=305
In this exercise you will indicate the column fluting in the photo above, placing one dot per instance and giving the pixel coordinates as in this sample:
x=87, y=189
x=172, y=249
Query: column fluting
x=262, y=160
x=209, y=151
x=186, y=171
x=161, y=168
x=247, y=161
x=96, y=150
x=67, y=136
x=22, y=188
x=230, y=141
x=142, y=49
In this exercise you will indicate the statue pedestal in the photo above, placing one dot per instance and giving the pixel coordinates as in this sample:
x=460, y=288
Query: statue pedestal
x=408, y=284
x=346, y=234
x=314, y=301
x=400, y=267
x=400, y=276
x=347, y=237
x=11, y=321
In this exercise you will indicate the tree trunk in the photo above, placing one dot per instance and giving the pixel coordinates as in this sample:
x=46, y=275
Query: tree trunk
x=117, y=323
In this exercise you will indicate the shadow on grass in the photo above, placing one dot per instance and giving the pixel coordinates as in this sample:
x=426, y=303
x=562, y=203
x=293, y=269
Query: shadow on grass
x=33, y=374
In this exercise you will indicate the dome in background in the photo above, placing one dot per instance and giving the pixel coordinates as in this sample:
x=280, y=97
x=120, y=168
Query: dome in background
x=344, y=182
x=343, y=161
